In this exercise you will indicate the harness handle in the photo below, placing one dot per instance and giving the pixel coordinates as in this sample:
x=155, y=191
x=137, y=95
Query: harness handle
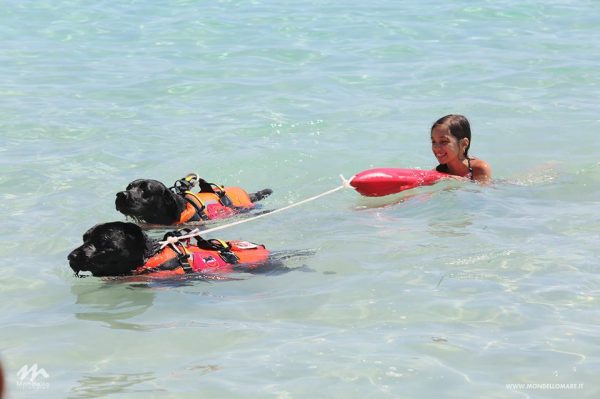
x=185, y=184
x=218, y=190
x=172, y=238
x=175, y=239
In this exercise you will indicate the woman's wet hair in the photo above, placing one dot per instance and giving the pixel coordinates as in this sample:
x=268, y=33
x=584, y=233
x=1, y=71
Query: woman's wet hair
x=458, y=126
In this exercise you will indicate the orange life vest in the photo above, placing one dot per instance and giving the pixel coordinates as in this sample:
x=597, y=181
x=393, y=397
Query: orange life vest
x=226, y=257
x=223, y=202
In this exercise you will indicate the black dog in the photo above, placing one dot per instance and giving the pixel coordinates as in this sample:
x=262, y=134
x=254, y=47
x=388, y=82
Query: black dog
x=123, y=249
x=152, y=202
x=112, y=249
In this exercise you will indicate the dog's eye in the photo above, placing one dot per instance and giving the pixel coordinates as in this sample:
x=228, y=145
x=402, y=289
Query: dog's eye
x=103, y=245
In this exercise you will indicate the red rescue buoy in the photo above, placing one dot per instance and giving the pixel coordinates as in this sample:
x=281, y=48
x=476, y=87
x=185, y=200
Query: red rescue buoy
x=385, y=181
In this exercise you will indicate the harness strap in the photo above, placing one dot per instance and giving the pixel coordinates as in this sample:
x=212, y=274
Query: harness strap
x=175, y=242
x=213, y=188
x=223, y=198
x=177, y=245
x=194, y=199
x=184, y=262
x=184, y=186
x=204, y=186
x=222, y=247
x=170, y=257
x=225, y=251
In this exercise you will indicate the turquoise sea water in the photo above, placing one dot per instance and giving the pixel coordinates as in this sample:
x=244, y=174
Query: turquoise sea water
x=451, y=291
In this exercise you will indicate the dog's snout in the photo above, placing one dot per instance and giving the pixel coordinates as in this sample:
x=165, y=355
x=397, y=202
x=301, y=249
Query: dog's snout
x=122, y=201
x=73, y=256
x=74, y=260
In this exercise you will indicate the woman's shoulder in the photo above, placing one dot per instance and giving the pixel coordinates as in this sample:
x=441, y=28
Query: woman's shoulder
x=479, y=163
x=482, y=171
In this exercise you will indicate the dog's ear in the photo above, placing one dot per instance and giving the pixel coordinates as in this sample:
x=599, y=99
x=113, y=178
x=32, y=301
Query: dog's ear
x=138, y=244
x=89, y=232
x=172, y=206
x=144, y=246
x=135, y=232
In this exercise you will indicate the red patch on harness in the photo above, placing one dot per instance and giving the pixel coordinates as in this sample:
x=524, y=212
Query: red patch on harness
x=205, y=263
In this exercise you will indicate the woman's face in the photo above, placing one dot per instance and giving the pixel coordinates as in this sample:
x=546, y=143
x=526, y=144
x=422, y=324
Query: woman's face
x=445, y=146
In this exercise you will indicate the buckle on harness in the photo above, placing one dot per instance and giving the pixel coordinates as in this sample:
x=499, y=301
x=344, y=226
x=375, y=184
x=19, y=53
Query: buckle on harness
x=183, y=259
x=225, y=251
x=185, y=184
x=180, y=249
x=224, y=199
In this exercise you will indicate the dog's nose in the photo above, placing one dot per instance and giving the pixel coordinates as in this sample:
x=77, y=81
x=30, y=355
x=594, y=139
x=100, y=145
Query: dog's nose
x=123, y=198
x=72, y=256
x=74, y=259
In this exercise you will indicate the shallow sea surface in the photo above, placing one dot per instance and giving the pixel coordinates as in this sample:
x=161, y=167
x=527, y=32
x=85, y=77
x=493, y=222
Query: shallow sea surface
x=449, y=291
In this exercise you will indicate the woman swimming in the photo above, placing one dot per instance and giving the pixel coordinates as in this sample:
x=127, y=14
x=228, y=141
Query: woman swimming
x=450, y=142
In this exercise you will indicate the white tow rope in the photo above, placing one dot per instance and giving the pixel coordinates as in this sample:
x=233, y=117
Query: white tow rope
x=285, y=208
x=196, y=232
x=172, y=240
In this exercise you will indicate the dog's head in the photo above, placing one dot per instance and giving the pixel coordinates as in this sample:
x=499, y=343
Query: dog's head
x=111, y=249
x=149, y=201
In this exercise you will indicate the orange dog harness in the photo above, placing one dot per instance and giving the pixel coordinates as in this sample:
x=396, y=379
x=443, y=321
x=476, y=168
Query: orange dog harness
x=210, y=257
x=212, y=201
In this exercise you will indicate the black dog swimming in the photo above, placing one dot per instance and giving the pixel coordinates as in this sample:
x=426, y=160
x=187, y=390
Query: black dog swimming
x=112, y=249
x=150, y=201
x=123, y=249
